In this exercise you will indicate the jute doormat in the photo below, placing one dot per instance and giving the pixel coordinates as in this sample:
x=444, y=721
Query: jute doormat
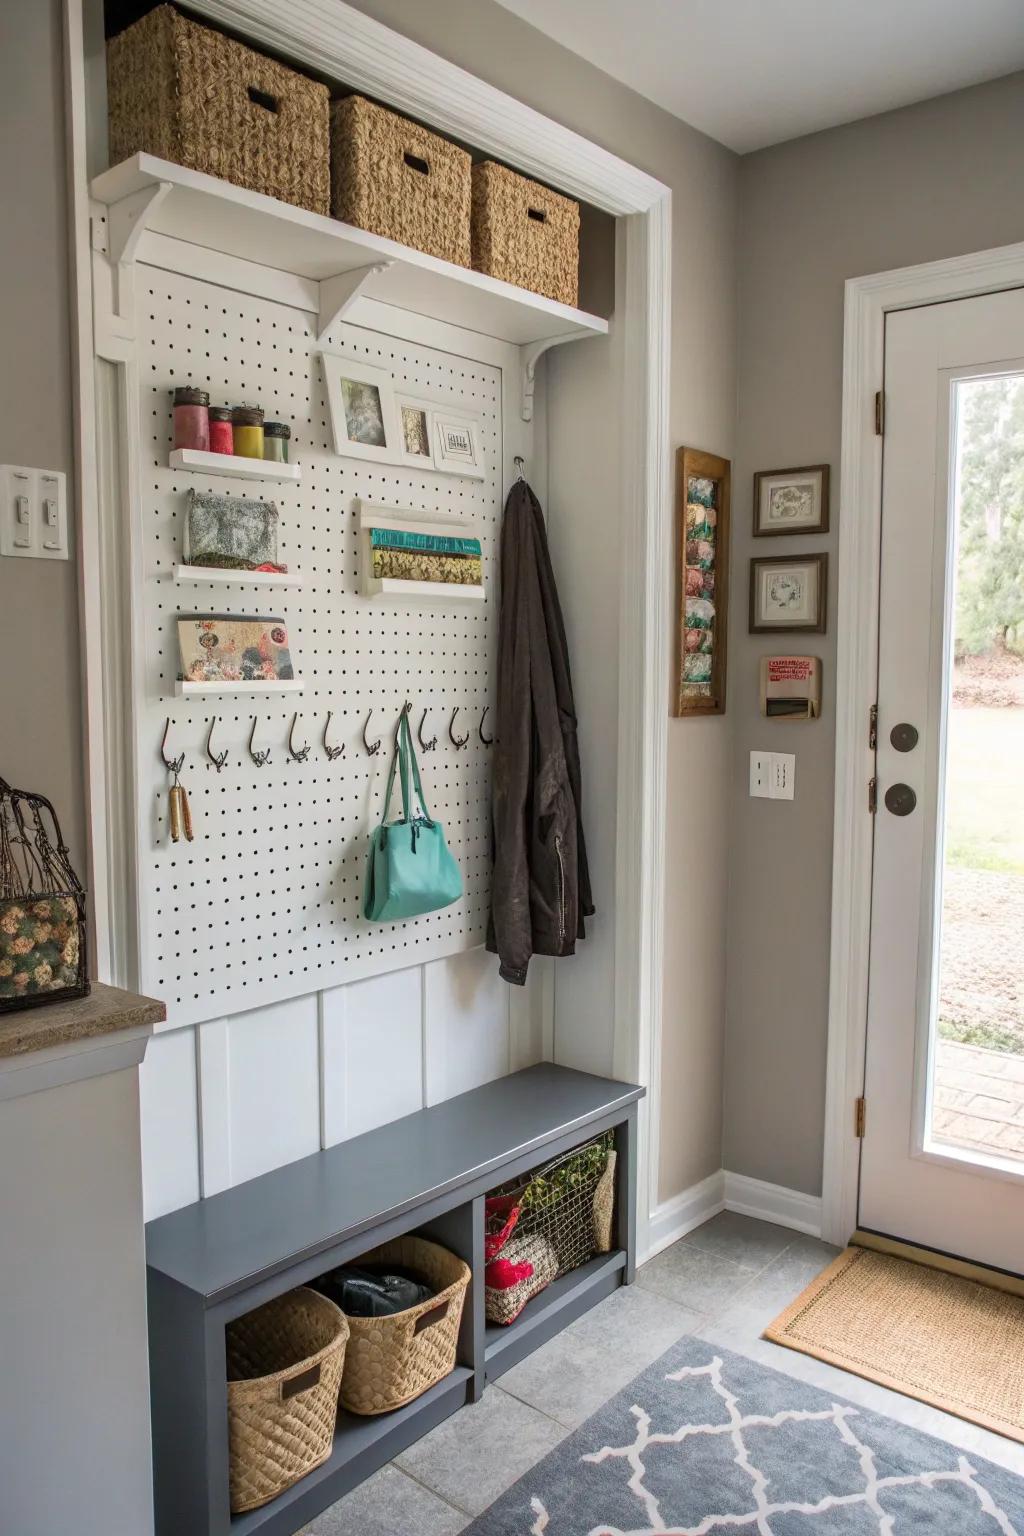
x=949, y=1341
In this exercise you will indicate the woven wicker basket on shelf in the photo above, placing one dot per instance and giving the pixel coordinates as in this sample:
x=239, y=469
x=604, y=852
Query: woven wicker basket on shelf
x=185, y=93
x=396, y=179
x=525, y=233
x=285, y=1361
x=391, y=1360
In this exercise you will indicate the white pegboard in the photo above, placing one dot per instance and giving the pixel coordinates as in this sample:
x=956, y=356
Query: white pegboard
x=266, y=902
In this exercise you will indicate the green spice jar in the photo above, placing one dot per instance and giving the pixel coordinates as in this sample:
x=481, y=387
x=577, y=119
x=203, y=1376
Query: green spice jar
x=275, y=441
x=247, y=431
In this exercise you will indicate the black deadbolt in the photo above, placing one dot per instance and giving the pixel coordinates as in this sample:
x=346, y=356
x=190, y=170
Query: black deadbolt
x=904, y=737
x=900, y=799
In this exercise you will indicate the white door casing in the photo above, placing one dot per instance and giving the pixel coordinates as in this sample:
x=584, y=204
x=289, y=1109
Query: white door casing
x=868, y=301
x=910, y=1187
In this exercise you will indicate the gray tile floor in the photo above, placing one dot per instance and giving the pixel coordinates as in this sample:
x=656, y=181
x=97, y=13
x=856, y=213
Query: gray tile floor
x=723, y=1282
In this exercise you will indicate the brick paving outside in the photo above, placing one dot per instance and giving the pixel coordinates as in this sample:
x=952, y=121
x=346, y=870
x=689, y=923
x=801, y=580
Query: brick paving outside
x=979, y=1099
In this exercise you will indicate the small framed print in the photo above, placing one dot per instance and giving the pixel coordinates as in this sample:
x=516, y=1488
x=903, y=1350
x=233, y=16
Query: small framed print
x=457, y=448
x=788, y=501
x=416, y=439
x=788, y=592
x=362, y=405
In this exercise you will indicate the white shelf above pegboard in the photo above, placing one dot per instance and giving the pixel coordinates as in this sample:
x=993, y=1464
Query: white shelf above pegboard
x=256, y=685
x=235, y=468
x=145, y=194
x=238, y=578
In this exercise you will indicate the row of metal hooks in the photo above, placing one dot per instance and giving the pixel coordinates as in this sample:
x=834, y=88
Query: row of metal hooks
x=261, y=756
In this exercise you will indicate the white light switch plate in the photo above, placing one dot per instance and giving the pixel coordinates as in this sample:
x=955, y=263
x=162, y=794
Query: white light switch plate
x=772, y=775
x=33, y=512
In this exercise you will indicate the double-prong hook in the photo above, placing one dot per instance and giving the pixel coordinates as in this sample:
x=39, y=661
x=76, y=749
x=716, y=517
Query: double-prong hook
x=218, y=759
x=302, y=753
x=259, y=758
x=425, y=746
x=487, y=740
x=458, y=742
x=332, y=752
x=172, y=764
x=372, y=747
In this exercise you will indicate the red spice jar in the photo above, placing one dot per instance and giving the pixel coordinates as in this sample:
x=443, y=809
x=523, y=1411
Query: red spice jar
x=222, y=433
x=191, y=418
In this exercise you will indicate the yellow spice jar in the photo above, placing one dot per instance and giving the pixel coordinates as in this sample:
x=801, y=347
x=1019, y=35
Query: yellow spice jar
x=247, y=431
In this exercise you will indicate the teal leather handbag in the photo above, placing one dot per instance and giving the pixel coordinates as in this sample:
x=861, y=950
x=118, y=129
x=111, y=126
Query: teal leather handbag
x=410, y=869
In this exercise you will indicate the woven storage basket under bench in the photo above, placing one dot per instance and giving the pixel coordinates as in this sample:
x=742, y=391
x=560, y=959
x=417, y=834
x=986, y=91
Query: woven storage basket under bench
x=394, y=1197
x=188, y=94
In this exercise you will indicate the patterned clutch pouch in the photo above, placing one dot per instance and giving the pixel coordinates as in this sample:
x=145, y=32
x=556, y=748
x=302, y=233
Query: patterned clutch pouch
x=224, y=648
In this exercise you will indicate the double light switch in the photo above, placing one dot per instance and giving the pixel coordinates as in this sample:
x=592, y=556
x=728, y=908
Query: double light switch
x=34, y=512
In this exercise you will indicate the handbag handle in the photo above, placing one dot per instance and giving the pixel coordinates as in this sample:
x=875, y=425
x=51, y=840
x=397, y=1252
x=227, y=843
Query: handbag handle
x=404, y=759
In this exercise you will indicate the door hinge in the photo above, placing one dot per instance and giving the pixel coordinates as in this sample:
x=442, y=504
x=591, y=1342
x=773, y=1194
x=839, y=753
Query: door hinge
x=879, y=413
x=860, y=1115
x=873, y=727
x=872, y=796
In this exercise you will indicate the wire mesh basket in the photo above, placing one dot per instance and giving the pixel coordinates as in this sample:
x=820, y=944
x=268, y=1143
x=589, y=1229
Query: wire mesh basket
x=546, y=1224
x=42, y=906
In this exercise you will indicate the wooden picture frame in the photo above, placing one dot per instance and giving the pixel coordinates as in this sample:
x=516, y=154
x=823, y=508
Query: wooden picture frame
x=703, y=486
x=808, y=598
x=789, y=502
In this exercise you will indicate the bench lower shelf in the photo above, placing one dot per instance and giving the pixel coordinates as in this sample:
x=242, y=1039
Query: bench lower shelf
x=558, y=1304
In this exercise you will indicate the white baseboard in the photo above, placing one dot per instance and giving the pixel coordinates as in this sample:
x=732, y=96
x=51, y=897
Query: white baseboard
x=724, y=1191
x=771, y=1202
x=674, y=1218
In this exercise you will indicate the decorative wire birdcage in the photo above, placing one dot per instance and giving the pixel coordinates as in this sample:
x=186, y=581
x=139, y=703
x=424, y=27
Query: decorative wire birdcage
x=42, y=906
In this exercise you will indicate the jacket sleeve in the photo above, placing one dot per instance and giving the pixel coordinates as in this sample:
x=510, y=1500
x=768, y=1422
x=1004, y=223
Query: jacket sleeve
x=510, y=925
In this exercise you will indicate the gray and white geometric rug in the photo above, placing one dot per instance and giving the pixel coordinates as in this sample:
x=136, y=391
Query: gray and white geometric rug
x=706, y=1441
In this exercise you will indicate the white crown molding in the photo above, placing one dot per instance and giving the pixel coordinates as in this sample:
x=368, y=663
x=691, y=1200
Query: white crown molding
x=332, y=39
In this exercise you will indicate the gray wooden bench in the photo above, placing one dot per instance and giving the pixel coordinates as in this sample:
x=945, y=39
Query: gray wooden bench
x=428, y=1172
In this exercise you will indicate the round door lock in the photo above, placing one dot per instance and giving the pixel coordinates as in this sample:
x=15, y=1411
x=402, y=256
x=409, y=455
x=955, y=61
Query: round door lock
x=900, y=799
x=904, y=737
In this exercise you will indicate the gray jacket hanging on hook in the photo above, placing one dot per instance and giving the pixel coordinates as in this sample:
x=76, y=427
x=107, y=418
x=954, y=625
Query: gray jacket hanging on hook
x=540, y=885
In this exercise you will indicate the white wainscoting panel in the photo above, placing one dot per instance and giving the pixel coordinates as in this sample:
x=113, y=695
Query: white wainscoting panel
x=231, y=1098
x=273, y=1083
x=466, y=1024
x=170, y=1122
x=372, y=1061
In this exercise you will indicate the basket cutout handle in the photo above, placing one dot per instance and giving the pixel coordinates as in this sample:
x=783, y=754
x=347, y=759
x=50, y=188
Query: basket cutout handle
x=300, y=1383
x=537, y=214
x=416, y=163
x=431, y=1317
x=262, y=99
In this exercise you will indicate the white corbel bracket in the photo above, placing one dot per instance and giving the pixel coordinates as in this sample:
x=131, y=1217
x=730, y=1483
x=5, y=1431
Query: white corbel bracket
x=529, y=354
x=118, y=240
x=339, y=293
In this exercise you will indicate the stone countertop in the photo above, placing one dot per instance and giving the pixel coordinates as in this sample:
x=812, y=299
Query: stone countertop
x=104, y=1012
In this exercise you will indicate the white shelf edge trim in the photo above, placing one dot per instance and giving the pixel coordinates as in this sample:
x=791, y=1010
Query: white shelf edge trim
x=258, y=685
x=238, y=578
x=424, y=591
x=197, y=462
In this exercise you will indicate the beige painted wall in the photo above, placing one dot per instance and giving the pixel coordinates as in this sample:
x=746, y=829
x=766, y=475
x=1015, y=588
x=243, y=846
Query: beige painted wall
x=501, y=49
x=934, y=180
x=40, y=738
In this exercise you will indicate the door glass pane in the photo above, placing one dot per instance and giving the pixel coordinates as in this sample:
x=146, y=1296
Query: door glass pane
x=978, y=1056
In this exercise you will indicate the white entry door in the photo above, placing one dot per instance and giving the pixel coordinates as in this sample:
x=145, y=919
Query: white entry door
x=942, y=1161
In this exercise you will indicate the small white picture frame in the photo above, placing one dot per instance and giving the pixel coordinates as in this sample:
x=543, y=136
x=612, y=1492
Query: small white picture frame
x=458, y=449
x=416, y=432
x=362, y=405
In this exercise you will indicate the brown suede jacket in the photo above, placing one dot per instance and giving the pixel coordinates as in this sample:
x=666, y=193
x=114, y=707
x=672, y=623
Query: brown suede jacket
x=540, y=885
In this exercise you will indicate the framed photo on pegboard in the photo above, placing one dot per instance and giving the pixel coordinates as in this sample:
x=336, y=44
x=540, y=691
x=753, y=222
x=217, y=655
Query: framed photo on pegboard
x=702, y=496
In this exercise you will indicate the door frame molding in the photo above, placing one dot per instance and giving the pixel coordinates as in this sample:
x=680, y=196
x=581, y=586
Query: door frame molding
x=868, y=300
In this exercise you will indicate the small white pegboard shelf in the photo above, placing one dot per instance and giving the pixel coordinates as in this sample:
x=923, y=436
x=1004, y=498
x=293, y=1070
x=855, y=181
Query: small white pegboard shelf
x=266, y=902
x=232, y=466
x=235, y=578
x=184, y=690
x=395, y=588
